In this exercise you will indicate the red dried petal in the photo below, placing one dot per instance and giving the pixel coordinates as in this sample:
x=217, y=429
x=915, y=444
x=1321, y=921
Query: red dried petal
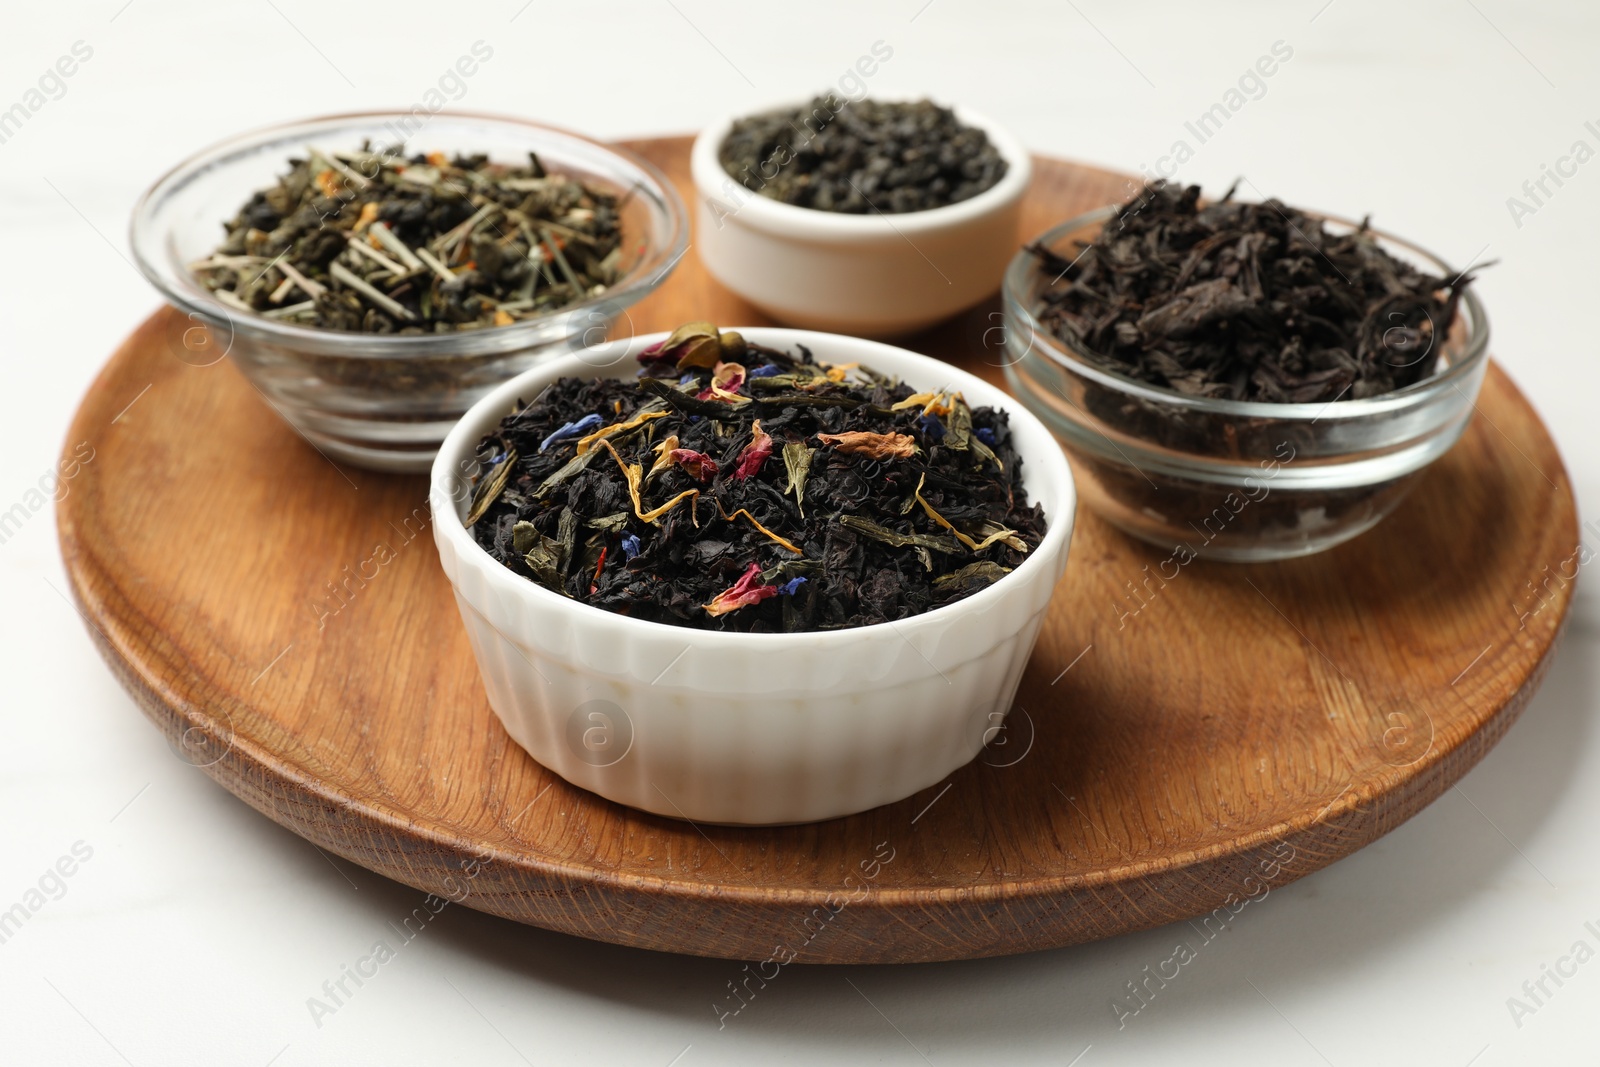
x=725, y=382
x=754, y=454
x=743, y=593
x=695, y=464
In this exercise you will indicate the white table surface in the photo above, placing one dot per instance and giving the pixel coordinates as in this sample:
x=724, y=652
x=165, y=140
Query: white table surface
x=197, y=930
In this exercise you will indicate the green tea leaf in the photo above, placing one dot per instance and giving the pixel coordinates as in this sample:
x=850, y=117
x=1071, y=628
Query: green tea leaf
x=542, y=554
x=573, y=466
x=972, y=577
x=948, y=545
x=797, y=459
x=488, y=489
x=958, y=433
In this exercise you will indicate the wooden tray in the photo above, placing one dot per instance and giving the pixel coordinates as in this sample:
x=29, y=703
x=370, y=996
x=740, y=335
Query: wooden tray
x=1244, y=726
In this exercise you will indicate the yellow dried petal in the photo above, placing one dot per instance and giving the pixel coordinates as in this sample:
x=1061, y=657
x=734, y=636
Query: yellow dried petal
x=779, y=540
x=635, y=476
x=586, y=443
x=663, y=455
x=1002, y=534
x=915, y=400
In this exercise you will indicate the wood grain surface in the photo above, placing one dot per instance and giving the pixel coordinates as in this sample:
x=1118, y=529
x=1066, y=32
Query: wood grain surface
x=1245, y=726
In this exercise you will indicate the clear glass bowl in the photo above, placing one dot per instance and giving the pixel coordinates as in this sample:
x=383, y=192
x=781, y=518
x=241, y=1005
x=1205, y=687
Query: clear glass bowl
x=383, y=401
x=1228, y=479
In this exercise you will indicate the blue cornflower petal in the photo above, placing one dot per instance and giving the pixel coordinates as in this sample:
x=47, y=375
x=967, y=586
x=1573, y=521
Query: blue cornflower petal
x=986, y=435
x=766, y=370
x=687, y=378
x=630, y=546
x=788, y=588
x=584, y=425
x=932, y=426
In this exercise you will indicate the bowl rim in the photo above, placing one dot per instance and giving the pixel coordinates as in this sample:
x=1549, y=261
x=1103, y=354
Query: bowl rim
x=456, y=454
x=177, y=284
x=1071, y=357
x=789, y=220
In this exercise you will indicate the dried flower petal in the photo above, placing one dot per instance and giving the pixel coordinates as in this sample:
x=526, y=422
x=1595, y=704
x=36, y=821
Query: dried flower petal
x=872, y=445
x=694, y=344
x=791, y=546
x=615, y=428
x=754, y=454
x=741, y=594
x=694, y=464
x=992, y=532
x=576, y=428
x=915, y=400
x=664, y=449
x=635, y=476
x=725, y=382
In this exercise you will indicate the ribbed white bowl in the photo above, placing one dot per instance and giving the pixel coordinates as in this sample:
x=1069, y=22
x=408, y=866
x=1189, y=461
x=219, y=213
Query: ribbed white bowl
x=749, y=728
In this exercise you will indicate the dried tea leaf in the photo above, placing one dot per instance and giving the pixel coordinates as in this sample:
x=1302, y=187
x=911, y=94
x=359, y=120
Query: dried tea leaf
x=985, y=451
x=573, y=466
x=684, y=402
x=973, y=576
x=958, y=431
x=378, y=242
x=797, y=461
x=567, y=535
x=948, y=545
x=808, y=400
x=488, y=489
x=542, y=554
x=1242, y=301
x=861, y=156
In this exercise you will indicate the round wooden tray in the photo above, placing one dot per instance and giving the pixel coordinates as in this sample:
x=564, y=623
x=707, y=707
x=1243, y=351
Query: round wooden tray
x=1175, y=748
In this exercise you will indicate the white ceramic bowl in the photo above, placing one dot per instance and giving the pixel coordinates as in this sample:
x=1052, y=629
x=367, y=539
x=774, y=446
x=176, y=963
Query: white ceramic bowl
x=870, y=275
x=749, y=728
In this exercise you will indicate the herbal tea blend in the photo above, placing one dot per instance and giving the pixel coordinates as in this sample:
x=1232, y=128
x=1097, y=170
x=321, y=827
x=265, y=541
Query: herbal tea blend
x=737, y=487
x=862, y=156
x=377, y=243
x=1246, y=302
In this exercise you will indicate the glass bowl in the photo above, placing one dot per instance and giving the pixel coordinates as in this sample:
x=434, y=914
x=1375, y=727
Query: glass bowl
x=1231, y=479
x=386, y=401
